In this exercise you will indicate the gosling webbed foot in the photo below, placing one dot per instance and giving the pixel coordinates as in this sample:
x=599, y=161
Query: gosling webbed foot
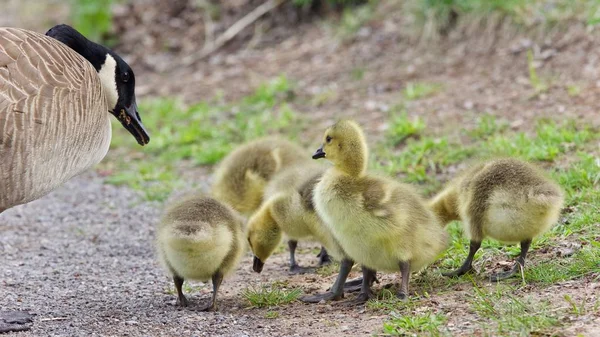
x=182, y=301
x=324, y=258
x=507, y=274
x=296, y=269
x=401, y=295
x=353, y=286
x=328, y=296
x=208, y=307
x=362, y=298
x=458, y=272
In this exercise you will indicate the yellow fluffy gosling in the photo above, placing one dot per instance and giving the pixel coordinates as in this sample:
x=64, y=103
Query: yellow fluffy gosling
x=199, y=238
x=507, y=200
x=380, y=223
x=241, y=177
x=288, y=210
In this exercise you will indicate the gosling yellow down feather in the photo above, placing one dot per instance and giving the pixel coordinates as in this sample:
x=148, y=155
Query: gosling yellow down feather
x=199, y=238
x=241, y=177
x=380, y=223
x=288, y=210
x=505, y=199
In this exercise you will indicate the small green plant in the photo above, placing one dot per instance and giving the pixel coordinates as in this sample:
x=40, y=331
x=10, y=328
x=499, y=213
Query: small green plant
x=402, y=127
x=428, y=322
x=268, y=297
x=505, y=313
x=487, y=126
x=93, y=19
x=573, y=90
x=418, y=90
x=272, y=314
x=353, y=18
x=536, y=83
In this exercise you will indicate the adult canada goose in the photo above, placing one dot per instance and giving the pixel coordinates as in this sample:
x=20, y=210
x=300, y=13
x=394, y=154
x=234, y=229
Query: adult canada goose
x=505, y=199
x=56, y=91
x=200, y=238
x=242, y=176
x=380, y=223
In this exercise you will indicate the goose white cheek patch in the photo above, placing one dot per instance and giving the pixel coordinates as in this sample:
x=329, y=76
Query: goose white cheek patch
x=107, y=78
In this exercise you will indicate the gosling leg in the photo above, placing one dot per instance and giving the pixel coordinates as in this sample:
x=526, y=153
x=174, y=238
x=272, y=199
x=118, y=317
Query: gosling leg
x=323, y=257
x=468, y=264
x=294, y=267
x=365, y=291
x=217, y=278
x=518, y=265
x=405, y=273
x=337, y=290
x=181, y=300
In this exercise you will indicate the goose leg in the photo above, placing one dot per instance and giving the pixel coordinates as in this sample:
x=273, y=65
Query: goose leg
x=405, y=273
x=294, y=267
x=365, y=291
x=518, y=265
x=181, y=300
x=468, y=264
x=323, y=257
x=337, y=290
x=217, y=278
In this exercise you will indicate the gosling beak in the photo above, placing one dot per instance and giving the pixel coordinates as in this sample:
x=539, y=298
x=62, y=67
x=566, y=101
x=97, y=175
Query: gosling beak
x=258, y=265
x=130, y=119
x=319, y=153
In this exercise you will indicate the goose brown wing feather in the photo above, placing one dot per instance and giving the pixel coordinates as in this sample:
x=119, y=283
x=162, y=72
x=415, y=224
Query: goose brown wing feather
x=45, y=90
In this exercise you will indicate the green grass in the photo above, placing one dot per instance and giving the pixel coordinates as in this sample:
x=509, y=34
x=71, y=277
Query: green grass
x=93, y=19
x=270, y=296
x=430, y=323
x=402, y=127
x=435, y=17
x=417, y=90
x=196, y=135
x=585, y=262
x=503, y=313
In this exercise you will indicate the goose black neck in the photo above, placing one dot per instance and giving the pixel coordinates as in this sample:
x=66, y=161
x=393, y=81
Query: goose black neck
x=93, y=52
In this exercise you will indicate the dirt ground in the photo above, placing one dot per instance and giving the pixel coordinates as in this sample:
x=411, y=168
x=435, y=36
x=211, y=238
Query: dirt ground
x=81, y=259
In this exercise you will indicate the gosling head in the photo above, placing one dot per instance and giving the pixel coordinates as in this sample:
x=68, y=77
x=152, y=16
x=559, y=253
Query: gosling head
x=263, y=237
x=116, y=77
x=345, y=146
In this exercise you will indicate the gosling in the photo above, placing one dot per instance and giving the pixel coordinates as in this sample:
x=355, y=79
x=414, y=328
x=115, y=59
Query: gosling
x=241, y=177
x=505, y=199
x=288, y=209
x=380, y=223
x=199, y=238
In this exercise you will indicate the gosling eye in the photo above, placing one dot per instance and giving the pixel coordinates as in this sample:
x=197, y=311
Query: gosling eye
x=328, y=139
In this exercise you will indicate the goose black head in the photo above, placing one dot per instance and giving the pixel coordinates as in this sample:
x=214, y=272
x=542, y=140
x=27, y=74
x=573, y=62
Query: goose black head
x=116, y=77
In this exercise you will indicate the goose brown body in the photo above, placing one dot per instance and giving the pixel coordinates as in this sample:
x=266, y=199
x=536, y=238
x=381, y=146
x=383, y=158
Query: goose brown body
x=54, y=121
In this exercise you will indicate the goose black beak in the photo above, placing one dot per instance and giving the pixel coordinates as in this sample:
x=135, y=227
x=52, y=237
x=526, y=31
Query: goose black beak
x=130, y=119
x=319, y=153
x=258, y=265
